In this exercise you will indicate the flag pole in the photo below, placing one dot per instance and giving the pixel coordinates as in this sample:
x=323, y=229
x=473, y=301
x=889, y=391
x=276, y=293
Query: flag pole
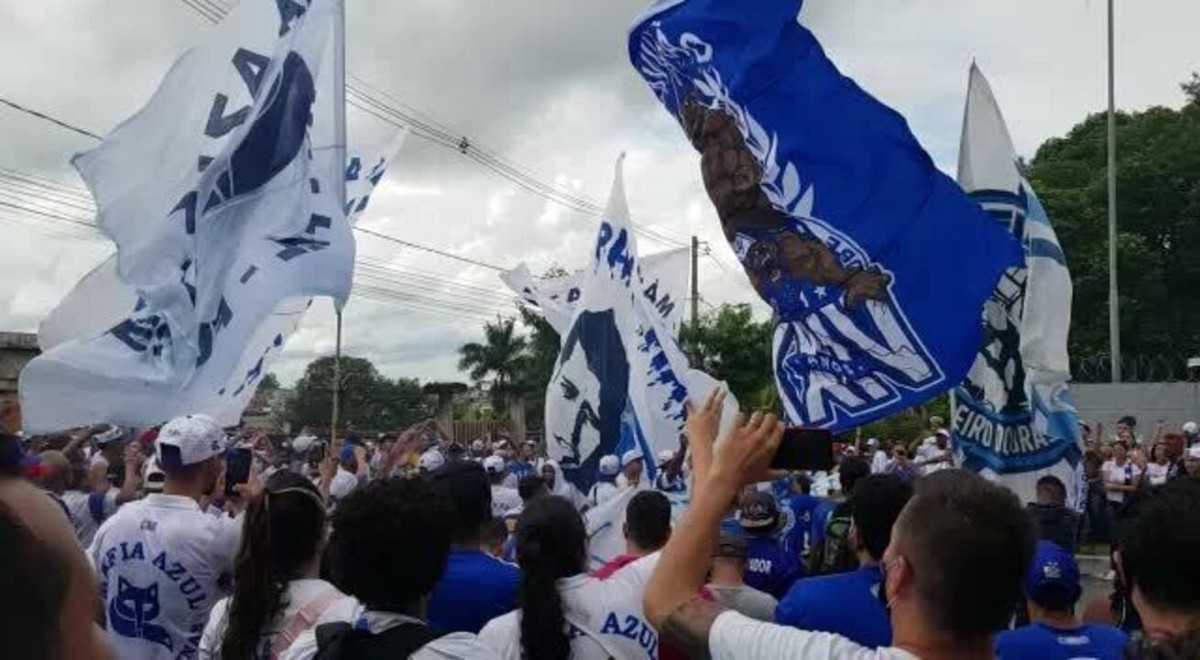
x=339, y=121
x=1114, y=301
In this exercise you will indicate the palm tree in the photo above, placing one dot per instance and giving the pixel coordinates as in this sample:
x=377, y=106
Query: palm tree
x=501, y=357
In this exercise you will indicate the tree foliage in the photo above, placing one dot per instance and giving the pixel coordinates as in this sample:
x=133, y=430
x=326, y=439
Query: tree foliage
x=268, y=383
x=1158, y=203
x=499, y=359
x=731, y=346
x=369, y=400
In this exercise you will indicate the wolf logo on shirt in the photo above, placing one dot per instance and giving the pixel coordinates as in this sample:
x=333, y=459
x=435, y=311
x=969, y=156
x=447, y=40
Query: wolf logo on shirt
x=132, y=611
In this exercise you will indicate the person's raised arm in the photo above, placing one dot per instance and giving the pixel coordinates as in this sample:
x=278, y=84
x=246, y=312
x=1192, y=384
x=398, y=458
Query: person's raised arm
x=671, y=603
x=133, y=474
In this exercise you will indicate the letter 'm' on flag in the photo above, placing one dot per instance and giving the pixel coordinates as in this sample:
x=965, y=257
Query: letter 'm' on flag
x=222, y=198
x=875, y=263
x=1014, y=418
x=621, y=380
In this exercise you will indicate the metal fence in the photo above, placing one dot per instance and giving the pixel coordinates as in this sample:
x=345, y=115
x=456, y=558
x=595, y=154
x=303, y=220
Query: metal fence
x=1169, y=367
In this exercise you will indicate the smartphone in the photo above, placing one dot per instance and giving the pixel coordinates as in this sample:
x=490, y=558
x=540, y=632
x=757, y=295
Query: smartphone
x=804, y=449
x=237, y=468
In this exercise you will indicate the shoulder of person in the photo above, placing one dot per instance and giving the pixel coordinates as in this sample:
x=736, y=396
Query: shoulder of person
x=457, y=646
x=502, y=634
x=733, y=634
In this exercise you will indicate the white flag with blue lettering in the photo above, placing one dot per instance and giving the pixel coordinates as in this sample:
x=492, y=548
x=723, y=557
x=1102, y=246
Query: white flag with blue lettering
x=1014, y=419
x=621, y=380
x=221, y=196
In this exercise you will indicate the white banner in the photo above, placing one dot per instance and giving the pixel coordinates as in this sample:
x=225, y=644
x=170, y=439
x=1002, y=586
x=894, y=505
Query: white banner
x=621, y=379
x=1014, y=419
x=221, y=196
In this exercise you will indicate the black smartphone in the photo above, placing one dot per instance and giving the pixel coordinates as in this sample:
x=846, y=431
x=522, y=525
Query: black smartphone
x=804, y=449
x=237, y=468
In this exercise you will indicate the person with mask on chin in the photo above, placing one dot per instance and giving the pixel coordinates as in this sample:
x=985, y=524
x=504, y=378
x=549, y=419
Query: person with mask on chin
x=163, y=562
x=952, y=570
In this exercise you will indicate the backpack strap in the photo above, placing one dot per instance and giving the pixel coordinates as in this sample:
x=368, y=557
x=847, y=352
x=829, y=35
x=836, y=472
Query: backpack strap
x=302, y=620
x=341, y=641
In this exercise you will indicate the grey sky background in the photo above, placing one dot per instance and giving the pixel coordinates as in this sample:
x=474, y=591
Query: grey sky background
x=544, y=83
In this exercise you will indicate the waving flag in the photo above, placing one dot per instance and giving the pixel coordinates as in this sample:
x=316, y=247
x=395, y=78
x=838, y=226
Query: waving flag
x=222, y=196
x=875, y=263
x=1014, y=418
x=621, y=380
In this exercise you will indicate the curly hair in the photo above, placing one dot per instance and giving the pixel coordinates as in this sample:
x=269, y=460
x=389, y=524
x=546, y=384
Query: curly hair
x=390, y=542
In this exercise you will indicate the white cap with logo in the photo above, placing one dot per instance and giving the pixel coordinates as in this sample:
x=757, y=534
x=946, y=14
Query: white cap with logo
x=631, y=456
x=609, y=465
x=493, y=464
x=193, y=438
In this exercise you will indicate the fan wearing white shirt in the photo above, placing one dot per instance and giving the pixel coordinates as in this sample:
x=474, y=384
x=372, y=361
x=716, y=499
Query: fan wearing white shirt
x=276, y=592
x=162, y=562
x=504, y=498
x=952, y=570
x=390, y=542
x=605, y=489
x=565, y=612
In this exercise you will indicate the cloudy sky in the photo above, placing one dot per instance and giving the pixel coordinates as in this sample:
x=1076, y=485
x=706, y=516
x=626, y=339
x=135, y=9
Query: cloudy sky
x=546, y=85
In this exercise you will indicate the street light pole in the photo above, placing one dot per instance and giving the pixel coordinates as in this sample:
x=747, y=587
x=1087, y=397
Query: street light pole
x=1114, y=311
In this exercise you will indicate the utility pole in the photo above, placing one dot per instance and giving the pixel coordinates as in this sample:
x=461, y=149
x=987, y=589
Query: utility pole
x=1114, y=302
x=695, y=281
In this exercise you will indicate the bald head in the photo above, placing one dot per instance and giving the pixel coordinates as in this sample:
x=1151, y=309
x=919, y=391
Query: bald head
x=50, y=591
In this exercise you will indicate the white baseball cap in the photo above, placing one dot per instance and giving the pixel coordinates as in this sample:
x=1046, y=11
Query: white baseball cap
x=665, y=455
x=609, y=465
x=493, y=464
x=1191, y=428
x=431, y=460
x=196, y=438
x=631, y=456
x=477, y=445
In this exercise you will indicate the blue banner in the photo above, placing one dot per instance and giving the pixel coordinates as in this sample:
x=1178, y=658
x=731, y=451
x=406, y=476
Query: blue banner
x=876, y=264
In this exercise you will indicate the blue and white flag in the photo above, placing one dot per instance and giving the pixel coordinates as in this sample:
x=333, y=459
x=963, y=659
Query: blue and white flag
x=222, y=196
x=1014, y=418
x=875, y=263
x=621, y=380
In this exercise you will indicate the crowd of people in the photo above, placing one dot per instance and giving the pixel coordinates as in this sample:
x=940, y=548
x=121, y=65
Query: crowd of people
x=413, y=545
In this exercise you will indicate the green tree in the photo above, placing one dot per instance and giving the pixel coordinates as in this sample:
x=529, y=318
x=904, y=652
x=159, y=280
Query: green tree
x=1158, y=202
x=499, y=359
x=269, y=382
x=541, y=357
x=368, y=400
x=731, y=346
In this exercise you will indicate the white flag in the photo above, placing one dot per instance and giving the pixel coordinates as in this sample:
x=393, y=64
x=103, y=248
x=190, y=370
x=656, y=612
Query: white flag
x=621, y=380
x=1014, y=419
x=221, y=198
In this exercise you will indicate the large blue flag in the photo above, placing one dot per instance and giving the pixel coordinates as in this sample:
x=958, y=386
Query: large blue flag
x=876, y=264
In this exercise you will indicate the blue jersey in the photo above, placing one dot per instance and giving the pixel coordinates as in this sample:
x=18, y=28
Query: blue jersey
x=520, y=469
x=820, y=515
x=475, y=589
x=770, y=567
x=802, y=507
x=1045, y=643
x=846, y=604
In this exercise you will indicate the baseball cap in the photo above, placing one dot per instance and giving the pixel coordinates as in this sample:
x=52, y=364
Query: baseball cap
x=609, y=465
x=943, y=432
x=873, y=442
x=665, y=455
x=758, y=511
x=493, y=464
x=192, y=439
x=1052, y=580
x=477, y=445
x=431, y=460
x=731, y=545
x=1190, y=428
x=631, y=456
x=347, y=451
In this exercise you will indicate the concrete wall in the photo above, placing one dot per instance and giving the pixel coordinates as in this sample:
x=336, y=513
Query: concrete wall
x=1148, y=402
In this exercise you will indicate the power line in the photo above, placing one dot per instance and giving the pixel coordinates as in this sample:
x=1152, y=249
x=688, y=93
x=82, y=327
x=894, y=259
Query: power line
x=367, y=97
x=440, y=253
x=45, y=117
